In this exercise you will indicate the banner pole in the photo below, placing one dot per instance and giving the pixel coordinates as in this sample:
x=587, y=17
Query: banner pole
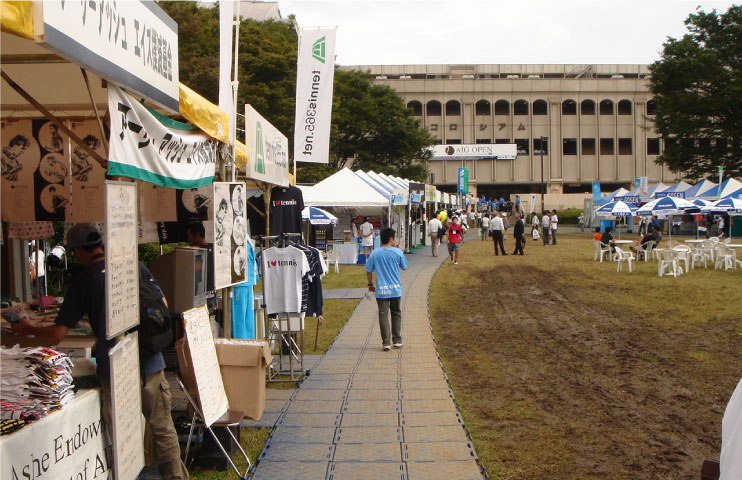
x=235, y=84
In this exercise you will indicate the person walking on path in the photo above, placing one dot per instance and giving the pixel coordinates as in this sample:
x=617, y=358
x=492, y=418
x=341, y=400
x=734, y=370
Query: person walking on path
x=485, y=230
x=455, y=237
x=367, y=237
x=434, y=231
x=546, y=225
x=554, y=224
x=518, y=231
x=496, y=228
x=386, y=262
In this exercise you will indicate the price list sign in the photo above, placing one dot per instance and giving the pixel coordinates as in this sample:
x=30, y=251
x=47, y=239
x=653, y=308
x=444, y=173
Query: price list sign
x=126, y=399
x=205, y=363
x=122, y=269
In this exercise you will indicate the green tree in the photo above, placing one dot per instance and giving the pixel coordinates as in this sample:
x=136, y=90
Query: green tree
x=697, y=87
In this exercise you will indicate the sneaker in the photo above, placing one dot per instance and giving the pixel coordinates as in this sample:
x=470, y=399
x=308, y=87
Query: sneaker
x=397, y=345
x=387, y=348
x=455, y=263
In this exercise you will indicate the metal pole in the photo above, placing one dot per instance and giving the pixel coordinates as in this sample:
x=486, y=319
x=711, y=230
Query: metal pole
x=542, y=173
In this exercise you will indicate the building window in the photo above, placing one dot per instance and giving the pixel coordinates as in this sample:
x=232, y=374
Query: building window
x=606, y=146
x=521, y=144
x=434, y=108
x=569, y=107
x=624, y=107
x=502, y=140
x=651, y=107
x=454, y=141
x=653, y=146
x=606, y=107
x=537, y=147
x=520, y=107
x=588, y=146
x=539, y=107
x=624, y=146
x=483, y=140
x=587, y=107
x=569, y=146
x=416, y=107
x=453, y=108
x=482, y=107
x=502, y=107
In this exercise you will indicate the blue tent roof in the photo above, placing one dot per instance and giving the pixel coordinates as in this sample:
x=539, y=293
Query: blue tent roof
x=699, y=188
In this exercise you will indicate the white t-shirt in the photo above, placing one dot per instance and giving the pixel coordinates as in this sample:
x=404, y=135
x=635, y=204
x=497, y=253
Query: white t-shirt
x=366, y=229
x=534, y=220
x=39, y=261
x=497, y=224
x=554, y=222
x=486, y=223
x=283, y=269
x=434, y=225
x=545, y=221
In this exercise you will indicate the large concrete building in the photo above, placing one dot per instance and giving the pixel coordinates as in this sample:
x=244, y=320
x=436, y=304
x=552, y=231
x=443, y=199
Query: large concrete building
x=596, y=121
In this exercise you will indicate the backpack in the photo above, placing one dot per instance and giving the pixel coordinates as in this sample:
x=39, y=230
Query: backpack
x=155, y=328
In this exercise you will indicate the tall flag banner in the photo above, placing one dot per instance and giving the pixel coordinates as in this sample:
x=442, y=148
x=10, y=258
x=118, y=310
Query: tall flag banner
x=314, y=76
x=147, y=146
x=226, y=27
x=596, y=192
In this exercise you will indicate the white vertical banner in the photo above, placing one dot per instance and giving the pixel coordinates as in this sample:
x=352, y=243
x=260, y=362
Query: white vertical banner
x=226, y=103
x=314, y=76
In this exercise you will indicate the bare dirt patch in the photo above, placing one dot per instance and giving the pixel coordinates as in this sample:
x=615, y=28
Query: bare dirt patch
x=555, y=381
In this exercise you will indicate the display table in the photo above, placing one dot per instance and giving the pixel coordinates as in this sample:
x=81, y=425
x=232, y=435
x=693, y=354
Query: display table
x=69, y=443
x=347, y=253
x=623, y=242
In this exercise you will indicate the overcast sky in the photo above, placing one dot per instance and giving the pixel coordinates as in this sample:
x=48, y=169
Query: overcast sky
x=372, y=32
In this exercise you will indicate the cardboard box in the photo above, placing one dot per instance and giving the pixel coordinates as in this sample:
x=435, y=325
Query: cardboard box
x=243, y=364
x=186, y=368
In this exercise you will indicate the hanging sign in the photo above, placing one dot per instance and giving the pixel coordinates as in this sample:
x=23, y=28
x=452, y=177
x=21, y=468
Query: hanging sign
x=132, y=43
x=463, y=180
x=156, y=149
x=268, y=150
x=88, y=176
x=314, y=76
x=230, y=234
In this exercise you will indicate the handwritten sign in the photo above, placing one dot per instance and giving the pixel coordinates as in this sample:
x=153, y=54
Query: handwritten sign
x=205, y=364
x=126, y=399
x=122, y=269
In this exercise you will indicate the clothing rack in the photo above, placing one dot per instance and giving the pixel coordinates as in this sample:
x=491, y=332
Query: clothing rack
x=290, y=354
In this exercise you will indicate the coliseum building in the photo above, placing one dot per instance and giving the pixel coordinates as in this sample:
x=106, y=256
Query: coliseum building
x=596, y=121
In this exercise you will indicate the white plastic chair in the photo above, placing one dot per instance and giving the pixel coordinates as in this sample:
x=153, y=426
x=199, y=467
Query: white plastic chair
x=698, y=255
x=600, y=250
x=683, y=253
x=726, y=257
x=708, y=249
x=645, y=251
x=333, y=258
x=668, y=264
x=627, y=257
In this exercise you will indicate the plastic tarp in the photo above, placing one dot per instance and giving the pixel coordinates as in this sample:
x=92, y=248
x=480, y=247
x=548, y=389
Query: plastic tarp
x=16, y=18
x=343, y=189
x=204, y=114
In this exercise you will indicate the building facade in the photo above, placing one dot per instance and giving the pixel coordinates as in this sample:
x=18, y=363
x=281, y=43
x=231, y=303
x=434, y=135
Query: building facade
x=595, y=122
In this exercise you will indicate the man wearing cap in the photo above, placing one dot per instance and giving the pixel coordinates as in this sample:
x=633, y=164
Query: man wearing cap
x=86, y=295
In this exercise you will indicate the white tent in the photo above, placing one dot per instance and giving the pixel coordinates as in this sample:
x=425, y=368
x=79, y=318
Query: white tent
x=343, y=189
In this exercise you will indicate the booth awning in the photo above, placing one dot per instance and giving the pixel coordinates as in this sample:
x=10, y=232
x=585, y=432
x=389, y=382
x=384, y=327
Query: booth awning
x=16, y=18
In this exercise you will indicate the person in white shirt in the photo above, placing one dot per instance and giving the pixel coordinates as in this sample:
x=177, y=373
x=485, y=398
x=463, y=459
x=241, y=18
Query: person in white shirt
x=534, y=225
x=38, y=270
x=367, y=237
x=497, y=228
x=546, y=226
x=554, y=223
x=434, y=229
x=485, y=230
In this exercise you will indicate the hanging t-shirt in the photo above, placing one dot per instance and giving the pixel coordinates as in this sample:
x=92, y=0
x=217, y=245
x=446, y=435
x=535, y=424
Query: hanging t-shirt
x=243, y=315
x=286, y=206
x=283, y=269
x=386, y=262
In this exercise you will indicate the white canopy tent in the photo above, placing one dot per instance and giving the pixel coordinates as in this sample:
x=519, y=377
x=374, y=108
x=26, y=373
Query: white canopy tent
x=344, y=189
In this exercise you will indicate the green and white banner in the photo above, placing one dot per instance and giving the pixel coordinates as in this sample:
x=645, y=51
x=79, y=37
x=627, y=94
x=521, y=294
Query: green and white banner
x=268, y=150
x=148, y=146
x=314, y=76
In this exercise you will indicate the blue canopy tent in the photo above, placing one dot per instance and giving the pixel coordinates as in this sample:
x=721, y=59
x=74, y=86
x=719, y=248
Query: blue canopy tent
x=699, y=189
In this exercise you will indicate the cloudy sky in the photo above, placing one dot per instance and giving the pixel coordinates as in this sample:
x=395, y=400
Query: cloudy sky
x=374, y=32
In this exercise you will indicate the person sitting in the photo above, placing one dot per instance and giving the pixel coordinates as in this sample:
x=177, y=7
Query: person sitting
x=649, y=237
x=597, y=235
x=607, y=238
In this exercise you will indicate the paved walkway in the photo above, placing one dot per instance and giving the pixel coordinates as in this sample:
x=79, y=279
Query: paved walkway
x=364, y=413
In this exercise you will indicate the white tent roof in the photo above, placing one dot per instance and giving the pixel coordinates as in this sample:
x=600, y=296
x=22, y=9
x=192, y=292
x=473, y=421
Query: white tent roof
x=343, y=189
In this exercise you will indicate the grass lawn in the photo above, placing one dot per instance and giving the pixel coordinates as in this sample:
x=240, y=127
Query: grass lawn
x=566, y=369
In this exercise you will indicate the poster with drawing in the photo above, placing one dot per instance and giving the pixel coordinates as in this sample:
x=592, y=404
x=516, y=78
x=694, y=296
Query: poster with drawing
x=35, y=171
x=190, y=205
x=230, y=233
x=88, y=176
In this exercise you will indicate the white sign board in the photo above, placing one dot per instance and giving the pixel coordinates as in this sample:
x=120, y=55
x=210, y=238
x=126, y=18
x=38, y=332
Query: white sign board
x=499, y=151
x=211, y=392
x=126, y=400
x=230, y=234
x=268, y=150
x=131, y=43
x=122, y=268
x=69, y=443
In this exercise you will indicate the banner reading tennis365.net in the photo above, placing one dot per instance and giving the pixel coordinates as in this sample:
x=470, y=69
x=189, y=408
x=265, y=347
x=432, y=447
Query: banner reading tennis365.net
x=314, y=76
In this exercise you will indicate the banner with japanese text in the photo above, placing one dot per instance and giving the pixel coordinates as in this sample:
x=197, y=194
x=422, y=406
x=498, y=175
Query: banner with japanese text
x=147, y=146
x=314, y=76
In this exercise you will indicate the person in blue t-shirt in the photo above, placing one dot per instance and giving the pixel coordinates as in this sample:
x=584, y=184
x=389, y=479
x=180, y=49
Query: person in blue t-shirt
x=386, y=262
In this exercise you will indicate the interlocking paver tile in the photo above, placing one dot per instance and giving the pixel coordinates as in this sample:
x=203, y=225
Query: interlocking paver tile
x=435, y=451
x=441, y=418
x=309, y=419
x=368, y=452
x=316, y=394
x=371, y=406
x=369, y=419
x=440, y=470
x=323, y=435
x=440, y=433
x=368, y=435
x=299, y=452
x=290, y=470
x=366, y=470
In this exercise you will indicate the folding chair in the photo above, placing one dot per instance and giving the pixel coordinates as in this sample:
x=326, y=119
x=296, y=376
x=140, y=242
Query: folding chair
x=333, y=258
x=627, y=257
x=229, y=420
x=601, y=249
x=645, y=251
